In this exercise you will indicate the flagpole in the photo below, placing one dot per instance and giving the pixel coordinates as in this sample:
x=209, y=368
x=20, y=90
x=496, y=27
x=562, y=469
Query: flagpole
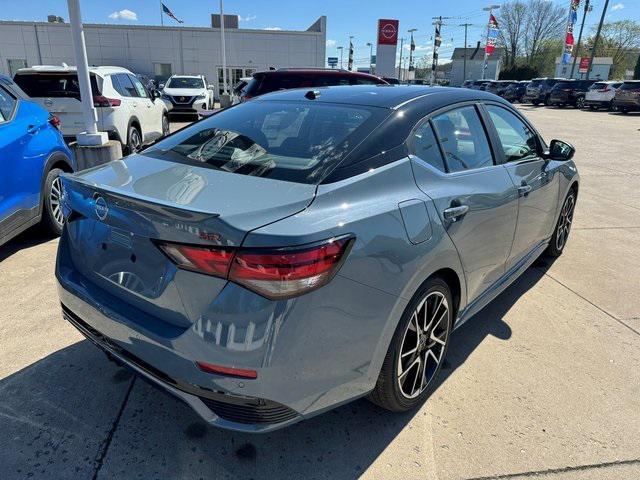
x=161, y=15
x=224, y=52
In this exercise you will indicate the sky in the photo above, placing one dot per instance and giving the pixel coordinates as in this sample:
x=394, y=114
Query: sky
x=344, y=17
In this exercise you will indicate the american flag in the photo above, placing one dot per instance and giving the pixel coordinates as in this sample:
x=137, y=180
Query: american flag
x=169, y=13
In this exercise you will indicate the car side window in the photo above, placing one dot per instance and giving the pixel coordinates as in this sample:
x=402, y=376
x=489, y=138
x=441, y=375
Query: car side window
x=518, y=141
x=423, y=144
x=463, y=139
x=363, y=81
x=140, y=90
x=126, y=86
x=7, y=104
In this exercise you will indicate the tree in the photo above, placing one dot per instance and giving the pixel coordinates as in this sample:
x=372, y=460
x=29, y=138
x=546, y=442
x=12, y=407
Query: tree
x=618, y=40
x=511, y=20
x=544, y=22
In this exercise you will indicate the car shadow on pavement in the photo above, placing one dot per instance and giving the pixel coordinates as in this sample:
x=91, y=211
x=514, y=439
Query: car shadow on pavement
x=74, y=414
x=29, y=238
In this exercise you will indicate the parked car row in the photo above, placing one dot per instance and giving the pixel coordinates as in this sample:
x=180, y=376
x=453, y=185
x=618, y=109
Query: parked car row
x=622, y=96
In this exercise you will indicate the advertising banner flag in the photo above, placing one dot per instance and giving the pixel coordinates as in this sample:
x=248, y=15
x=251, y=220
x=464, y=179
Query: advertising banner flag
x=569, y=41
x=493, y=32
x=350, y=64
x=584, y=64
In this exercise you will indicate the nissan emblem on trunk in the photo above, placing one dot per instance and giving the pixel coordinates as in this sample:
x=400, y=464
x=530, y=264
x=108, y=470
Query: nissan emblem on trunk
x=101, y=208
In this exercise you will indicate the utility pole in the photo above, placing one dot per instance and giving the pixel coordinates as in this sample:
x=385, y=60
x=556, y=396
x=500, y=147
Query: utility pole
x=370, y=45
x=224, y=51
x=587, y=8
x=464, y=57
x=595, y=42
x=341, y=51
x=411, y=48
x=400, y=64
x=437, y=40
x=484, y=63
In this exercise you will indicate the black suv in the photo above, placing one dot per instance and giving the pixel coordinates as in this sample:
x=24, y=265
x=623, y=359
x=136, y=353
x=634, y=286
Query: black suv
x=569, y=92
x=286, y=78
x=515, y=92
x=539, y=89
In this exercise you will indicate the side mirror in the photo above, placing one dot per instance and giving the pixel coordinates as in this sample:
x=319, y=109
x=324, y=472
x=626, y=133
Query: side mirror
x=559, y=150
x=161, y=86
x=210, y=87
x=154, y=94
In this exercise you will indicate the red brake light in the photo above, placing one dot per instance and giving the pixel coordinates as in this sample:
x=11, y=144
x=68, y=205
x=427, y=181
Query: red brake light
x=212, y=261
x=102, y=101
x=54, y=121
x=273, y=273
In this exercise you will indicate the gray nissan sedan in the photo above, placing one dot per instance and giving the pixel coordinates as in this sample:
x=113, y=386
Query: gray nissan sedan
x=310, y=247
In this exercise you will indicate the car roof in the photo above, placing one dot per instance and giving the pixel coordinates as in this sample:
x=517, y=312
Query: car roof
x=101, y=70
x=385, y=96
x=315, y=71
x=186, y=76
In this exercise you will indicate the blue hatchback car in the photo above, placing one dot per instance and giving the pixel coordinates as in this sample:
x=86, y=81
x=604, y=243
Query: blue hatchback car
x=309, y=247
x=32, y=157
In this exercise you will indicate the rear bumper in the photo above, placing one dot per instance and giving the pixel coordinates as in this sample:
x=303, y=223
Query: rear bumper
x=597, y=103
x=630, y=104
x=560, y=100
x=311, y=353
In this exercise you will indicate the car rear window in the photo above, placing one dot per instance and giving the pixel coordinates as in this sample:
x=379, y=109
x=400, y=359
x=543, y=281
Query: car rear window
x=53, y=84
x=292, y=141
x=630, y=86
x=564, y=85
x=598, y=86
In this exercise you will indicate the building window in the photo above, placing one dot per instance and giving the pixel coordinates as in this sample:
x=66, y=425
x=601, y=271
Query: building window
x=15, y=64
x=162, y=71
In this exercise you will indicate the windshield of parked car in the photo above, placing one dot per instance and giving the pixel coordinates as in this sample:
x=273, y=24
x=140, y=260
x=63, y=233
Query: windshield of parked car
x=185, y=82
x=53, y=84
x=293, y=141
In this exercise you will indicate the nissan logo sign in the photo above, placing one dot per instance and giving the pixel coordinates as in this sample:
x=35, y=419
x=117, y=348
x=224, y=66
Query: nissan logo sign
x=388, y=30
x=101, y=208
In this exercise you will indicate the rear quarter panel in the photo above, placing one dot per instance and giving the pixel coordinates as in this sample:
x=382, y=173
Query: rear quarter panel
x=384, y=266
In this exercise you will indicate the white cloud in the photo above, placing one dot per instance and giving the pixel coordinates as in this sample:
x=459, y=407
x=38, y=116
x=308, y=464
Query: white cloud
x=617, y=6
x=124, y=15
x=331, y=43
x=419, y=48
x=248, y=18
x=272, y=28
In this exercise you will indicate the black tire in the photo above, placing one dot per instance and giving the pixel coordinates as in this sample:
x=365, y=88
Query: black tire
x=593, y=107
x=536, y=102
x=166, y=126
x=52, y=220
x=612, y=107
x=134, y=140
x=388, y=393
x=546, y=101
x=563, y=227
x=623, y=110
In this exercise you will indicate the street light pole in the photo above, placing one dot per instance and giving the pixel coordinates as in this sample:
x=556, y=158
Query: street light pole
x=370, y=45
x=411, y=46
x=486, y=57
x=595, y=42
x=464, y=55
x=400, y=64
x=90, y=136
x=224, y=51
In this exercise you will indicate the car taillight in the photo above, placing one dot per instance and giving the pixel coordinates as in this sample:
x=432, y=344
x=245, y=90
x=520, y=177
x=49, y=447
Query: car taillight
x=102, y=101
x=54, y=121
x=212, y=261
x=275, y=273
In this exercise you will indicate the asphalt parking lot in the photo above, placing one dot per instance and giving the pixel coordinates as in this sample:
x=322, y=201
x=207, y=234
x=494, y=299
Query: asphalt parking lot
x=543, y=383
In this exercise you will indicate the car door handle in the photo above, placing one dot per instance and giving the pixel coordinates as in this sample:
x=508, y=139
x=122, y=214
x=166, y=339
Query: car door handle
x=524, y=190
x=453, y=213
x=32, y=129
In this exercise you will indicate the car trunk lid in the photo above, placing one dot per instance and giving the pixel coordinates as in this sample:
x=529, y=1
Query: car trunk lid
x=119, y=211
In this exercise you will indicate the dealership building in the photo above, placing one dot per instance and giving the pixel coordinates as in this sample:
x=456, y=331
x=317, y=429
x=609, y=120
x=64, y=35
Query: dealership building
x=159, y=51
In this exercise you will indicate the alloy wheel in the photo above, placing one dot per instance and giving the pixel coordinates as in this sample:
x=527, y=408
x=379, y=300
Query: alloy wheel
x=580, y=103
x=165, y=126
x=564, y=224
x=54, y=201
x=134, y=141
x=423, y=344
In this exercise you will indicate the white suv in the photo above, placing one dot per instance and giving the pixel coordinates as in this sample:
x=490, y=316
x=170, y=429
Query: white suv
x=600, y=95
x=187, y=94
x=126, y=110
